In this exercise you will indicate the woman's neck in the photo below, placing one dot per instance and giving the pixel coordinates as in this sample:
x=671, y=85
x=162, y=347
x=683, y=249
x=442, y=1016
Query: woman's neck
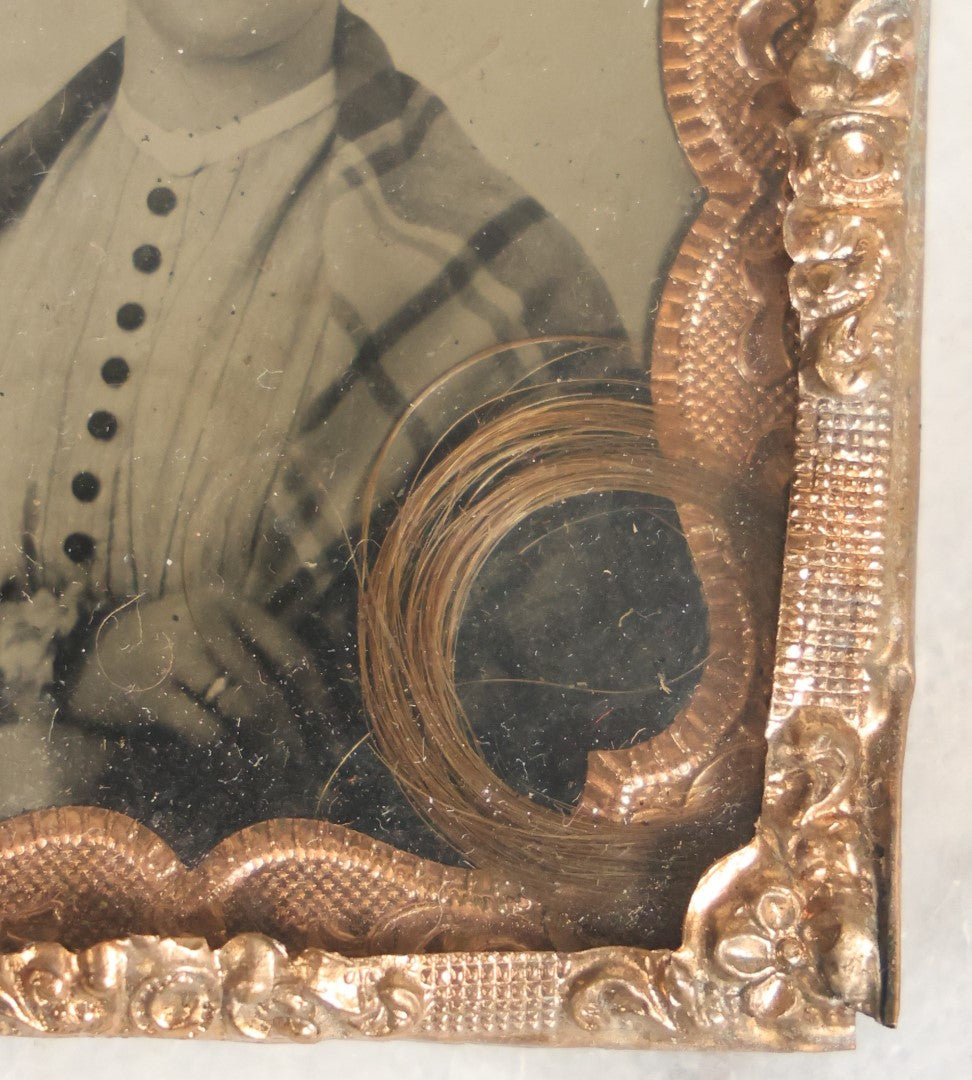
x=179, y=92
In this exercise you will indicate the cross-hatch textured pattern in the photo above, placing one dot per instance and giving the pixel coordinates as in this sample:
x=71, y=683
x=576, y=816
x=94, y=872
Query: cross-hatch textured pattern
x=82, y=876
x=501, y=995
x=733, y=983
x=835, y=563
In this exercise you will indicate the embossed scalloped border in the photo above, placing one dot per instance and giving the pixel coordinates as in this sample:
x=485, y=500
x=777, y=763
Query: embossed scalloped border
x=787, y=938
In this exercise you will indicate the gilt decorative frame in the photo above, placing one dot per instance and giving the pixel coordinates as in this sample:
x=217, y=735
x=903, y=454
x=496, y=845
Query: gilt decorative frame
x=802, y=119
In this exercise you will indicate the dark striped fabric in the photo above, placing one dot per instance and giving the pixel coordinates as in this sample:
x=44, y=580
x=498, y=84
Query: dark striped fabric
x=388, y=254
x=371, y=254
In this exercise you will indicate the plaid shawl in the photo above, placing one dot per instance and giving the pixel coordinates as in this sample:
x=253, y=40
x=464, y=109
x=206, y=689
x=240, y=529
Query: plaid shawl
x=432, y=255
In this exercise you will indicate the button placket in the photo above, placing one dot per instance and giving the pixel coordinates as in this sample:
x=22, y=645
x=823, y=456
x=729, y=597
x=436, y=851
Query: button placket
x=137, y=256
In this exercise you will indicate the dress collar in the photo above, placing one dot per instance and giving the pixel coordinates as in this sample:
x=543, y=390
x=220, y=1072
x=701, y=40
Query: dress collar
x=183, y=153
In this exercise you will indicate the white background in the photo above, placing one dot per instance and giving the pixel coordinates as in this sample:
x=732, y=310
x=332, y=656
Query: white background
x=935, y=1037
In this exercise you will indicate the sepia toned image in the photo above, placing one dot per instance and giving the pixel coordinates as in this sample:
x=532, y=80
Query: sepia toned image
x=399, y=417
x=267, y=300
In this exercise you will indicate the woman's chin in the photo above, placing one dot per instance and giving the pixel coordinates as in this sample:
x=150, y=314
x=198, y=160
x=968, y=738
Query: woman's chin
x=228, y=31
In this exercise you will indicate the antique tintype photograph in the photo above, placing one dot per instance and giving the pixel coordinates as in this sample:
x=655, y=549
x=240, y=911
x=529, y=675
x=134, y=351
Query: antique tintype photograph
x=272, y=298
x=400, y=414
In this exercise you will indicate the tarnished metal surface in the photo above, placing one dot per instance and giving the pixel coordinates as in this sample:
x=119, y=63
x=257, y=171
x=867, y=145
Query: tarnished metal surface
x=784, y=940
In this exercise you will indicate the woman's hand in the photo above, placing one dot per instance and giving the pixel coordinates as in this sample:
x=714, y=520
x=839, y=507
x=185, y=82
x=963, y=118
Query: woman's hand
x=198, y=665
x=29, y=629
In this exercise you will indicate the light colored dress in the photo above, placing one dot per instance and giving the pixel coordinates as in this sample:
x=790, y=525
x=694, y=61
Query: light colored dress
x=205, y=338
x=179, y=310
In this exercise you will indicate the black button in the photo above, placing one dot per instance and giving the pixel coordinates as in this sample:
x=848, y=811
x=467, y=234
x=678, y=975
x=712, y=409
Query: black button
x=162, y=201
x=103, y=425
x=79, y=547
x=147, y=258
x=115, y=371
x=85, y=487
x=131, y=316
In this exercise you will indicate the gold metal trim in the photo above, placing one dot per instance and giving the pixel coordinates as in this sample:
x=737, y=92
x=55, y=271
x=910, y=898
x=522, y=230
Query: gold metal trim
x=854, y=232
x=786, y=939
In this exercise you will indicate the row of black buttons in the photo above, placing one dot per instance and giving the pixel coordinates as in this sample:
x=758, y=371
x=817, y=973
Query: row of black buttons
x=102, y=424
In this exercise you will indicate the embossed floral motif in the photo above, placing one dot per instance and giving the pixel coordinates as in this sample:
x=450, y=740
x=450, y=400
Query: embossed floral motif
x=862, y=56
x=315, y=995
x=394, y=1003
x=182, y=1003
x=770, y=953
x=265, y=999
x=616, y=992
x=794, y=944
x=43, y=990
x=173, y=991
x=811, y=774
x=854, y=84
